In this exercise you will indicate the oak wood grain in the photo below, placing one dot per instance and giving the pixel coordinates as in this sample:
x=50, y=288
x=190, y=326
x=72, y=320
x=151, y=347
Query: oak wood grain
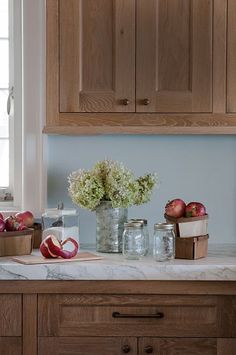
x=74, y=316
x=119, y=287
x=219, y=56
x=10, y=346
x=30, y=329
x=97, y=55
x=174, y=55
x=231, y=55
x=132, y=123
x=87, y=345
x=183, y=346
x=10, y=315
x=226, y=346
x=52, y=62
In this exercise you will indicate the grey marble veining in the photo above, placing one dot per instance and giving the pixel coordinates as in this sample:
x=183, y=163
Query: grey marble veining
x=219, y=265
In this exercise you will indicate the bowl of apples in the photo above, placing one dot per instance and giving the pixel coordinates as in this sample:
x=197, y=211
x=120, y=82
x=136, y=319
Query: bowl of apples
x=16, y=234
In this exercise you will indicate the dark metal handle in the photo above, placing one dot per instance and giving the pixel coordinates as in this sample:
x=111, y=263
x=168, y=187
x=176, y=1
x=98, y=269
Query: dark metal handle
x=146, y=102
x=148, y=349
x=126, y=349
x=125, y=315
x=125, y=102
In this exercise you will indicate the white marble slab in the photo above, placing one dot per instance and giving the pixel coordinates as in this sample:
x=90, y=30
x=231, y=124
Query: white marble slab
x=219, y=265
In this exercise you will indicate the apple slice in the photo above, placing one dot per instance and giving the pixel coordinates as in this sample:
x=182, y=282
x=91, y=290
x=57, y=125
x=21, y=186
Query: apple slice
x=52, y=248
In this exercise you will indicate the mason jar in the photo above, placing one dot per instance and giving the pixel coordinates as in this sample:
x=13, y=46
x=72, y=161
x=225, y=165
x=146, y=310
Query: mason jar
x=134, y=246
x=164, y=242
x=145, y=231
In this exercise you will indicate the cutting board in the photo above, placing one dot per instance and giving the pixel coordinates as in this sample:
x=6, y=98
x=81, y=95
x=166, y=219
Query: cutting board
x=38, y=259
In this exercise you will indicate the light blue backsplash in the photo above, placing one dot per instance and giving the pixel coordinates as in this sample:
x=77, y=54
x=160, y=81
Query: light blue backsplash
x=200, y=168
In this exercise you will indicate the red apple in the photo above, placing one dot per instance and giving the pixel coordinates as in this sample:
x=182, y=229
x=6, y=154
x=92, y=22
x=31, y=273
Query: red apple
x=2, y=225
x=175, y=208
x=195, y=209
x=52, y=248
x=11, y=224
x=26, y=218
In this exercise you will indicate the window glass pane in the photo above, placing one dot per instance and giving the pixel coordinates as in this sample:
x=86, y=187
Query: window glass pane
x=4, y=119
x=4, y=64
x=3, y=18
x=4, y=163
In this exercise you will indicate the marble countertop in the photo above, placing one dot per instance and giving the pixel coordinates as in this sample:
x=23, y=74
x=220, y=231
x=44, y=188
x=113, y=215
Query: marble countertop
x=220, y=265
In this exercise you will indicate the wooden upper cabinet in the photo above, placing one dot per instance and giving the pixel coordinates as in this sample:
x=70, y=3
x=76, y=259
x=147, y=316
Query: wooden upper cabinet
x=141, y=66
x=97, y=55
x=231, y=56
x=174, y=55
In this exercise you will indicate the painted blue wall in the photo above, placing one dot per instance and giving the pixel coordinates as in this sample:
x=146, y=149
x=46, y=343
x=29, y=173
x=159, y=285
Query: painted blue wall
x=201, y=168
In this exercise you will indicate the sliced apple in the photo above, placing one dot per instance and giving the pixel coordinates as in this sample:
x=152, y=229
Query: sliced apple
x=52, y=248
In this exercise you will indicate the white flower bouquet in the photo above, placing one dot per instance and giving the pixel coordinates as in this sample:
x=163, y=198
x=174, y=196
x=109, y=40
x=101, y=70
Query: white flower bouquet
x=110, y=181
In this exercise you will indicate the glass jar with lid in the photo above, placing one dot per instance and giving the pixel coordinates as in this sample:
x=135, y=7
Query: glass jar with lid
x=61, y=222
x=164, y=242
x=145, y=231
x=134, y=246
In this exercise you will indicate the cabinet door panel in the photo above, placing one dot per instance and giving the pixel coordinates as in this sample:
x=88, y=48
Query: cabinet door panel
x=10, y=315
x=88, y=346
x=10, y=346
x=173, y=346
x=97, y=55
x=174, y=55
x=226, y=346
x=231, y=55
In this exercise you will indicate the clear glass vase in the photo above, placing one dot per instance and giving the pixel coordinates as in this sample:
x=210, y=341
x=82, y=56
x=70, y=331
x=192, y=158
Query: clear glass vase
x=110, y=227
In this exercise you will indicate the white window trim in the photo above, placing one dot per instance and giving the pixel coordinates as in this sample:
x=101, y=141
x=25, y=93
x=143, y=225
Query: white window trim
x=30, y=183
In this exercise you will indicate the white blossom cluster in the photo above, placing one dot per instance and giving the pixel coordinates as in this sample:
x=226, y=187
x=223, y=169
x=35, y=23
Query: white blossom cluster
x=110, y=181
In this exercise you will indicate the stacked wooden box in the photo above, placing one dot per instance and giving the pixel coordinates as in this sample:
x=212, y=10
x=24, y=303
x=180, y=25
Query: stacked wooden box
x=191, y=236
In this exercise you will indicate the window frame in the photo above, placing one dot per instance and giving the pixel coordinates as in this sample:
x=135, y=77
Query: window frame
x=29, y=171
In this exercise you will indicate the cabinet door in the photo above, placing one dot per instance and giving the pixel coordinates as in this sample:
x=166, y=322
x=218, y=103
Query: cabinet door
x=183, y=346
x=10, y=346
x=88, y=346
x=174, y=55
x=97, y=55
x=231, y=55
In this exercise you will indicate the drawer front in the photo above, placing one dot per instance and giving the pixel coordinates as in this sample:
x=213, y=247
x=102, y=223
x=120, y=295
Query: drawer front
x=10, y=346
x=117, y=315
x=88, y=346
x=10, y=315
x=183, y=346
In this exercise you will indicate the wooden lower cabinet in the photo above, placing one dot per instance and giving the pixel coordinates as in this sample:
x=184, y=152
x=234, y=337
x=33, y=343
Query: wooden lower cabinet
x=115, y=318
x=135, y=346
x=10, y=346
x=87, y=346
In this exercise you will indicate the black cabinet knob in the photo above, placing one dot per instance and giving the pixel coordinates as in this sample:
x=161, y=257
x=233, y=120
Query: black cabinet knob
x=146, y=102
x=125, y=102
x=148, y=349
x=126, y=349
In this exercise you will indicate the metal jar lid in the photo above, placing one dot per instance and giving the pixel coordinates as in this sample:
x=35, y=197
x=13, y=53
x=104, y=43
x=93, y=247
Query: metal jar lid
x=133, y=224
x=140, y=220
x=163, y=226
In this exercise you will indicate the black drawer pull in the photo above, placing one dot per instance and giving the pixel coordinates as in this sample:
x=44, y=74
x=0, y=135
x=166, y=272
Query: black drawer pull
x=127, y=315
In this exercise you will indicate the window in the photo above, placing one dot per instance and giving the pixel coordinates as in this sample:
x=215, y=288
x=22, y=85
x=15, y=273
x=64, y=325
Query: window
x=5, y=43
x=22, y=67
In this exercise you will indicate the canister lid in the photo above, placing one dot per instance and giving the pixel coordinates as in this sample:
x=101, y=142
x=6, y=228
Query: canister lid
x=140, y=220
x=163, y=226
x=133, y=224
x=55, y=212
